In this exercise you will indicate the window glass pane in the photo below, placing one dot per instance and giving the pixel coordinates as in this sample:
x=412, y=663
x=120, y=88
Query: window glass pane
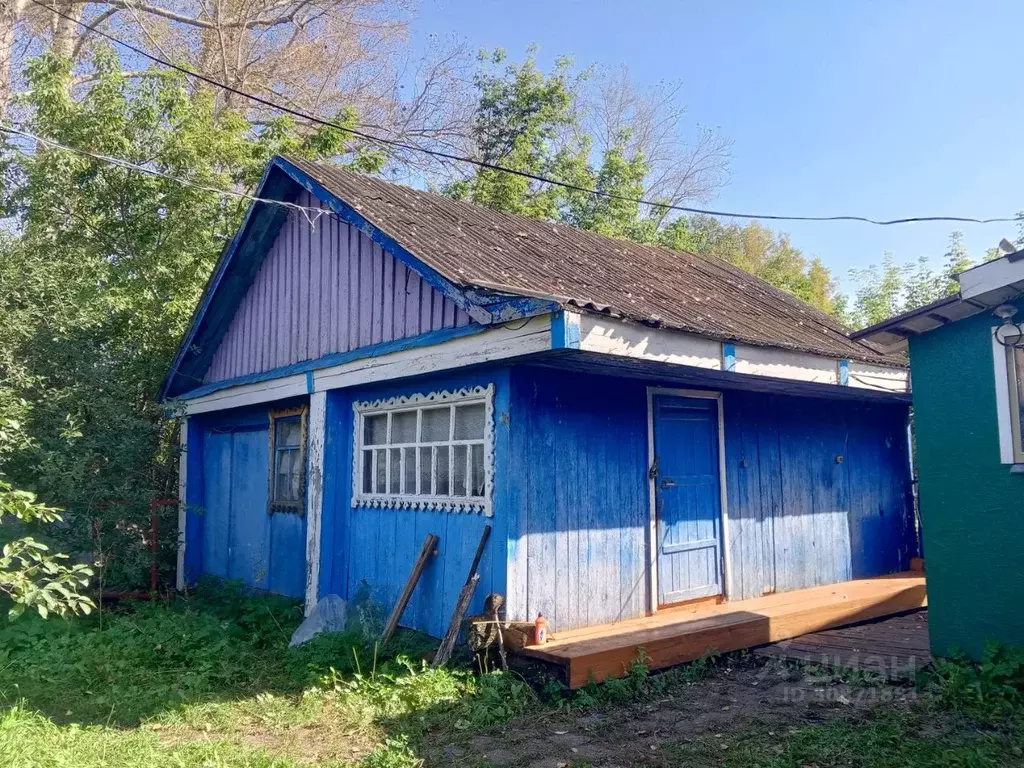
x=441, y=481
x=295, y=484
x=436, y=425
x=403, y=427
x=469, y=422
x=288, y=475
x=424, y=489
x=380, y=456
x=409, y=470
x=367, y=471
x=375, y=429
x=289, y=432
x=477, y=472
x=460, y=455
x=396, y=471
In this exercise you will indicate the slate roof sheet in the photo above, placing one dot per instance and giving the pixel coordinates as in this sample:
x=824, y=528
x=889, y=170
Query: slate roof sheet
x=475, y=246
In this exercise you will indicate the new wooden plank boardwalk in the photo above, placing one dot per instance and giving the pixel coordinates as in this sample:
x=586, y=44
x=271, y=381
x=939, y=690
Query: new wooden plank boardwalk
x=683, y=634
x=895, y=647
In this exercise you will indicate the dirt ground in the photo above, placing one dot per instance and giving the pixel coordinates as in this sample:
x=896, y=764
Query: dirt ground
x=743, y=694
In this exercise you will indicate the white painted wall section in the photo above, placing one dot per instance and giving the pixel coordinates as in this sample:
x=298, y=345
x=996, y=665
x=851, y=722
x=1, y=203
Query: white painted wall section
x=879, y=377
x=314, y=493
x=782, y=364
x=614, y=337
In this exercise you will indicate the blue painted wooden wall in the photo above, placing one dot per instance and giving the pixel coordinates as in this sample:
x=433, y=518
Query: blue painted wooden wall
x=238, y=539
x=798, y=517
x=379, y=546
x=579, y=508
x=818, y=491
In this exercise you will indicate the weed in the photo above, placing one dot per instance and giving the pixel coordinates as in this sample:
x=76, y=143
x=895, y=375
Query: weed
x=992, y=688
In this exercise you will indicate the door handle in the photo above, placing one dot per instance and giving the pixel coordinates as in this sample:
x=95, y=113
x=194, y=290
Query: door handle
x=653, y=471
x=668, y=483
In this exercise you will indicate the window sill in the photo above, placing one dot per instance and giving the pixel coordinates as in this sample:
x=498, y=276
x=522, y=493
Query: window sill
x=1017, y=469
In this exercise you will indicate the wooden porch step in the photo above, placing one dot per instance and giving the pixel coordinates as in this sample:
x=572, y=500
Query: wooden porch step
x=678, y=635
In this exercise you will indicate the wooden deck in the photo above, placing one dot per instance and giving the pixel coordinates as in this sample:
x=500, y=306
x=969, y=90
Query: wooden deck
x=682, y=634
x=895, y=647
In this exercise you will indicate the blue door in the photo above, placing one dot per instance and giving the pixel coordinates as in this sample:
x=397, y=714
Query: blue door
x=687, y=493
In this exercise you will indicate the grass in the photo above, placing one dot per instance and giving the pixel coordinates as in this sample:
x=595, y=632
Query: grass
x=211, y=682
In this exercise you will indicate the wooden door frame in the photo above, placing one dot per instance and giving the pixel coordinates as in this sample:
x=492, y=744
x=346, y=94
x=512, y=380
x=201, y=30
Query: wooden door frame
x=652, y=491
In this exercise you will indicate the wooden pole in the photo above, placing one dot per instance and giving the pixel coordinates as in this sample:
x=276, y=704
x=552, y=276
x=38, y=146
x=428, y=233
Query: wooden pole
x=428, y=551
x=444, y=651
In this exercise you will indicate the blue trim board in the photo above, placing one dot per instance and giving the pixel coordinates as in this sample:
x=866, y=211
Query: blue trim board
x=844, y=373
x=308, y=366
x=565, y=330
x=728, y=356
x=260, y=226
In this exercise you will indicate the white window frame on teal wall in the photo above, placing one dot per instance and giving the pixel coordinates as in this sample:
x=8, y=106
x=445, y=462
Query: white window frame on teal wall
x=442, y=495
x=1009, y=400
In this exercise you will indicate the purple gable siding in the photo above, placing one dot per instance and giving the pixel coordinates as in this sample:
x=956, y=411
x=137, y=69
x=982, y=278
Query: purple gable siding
x=323, y=289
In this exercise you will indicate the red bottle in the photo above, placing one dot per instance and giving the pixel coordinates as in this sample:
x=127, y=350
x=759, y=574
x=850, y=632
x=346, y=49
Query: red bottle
x=540, y=630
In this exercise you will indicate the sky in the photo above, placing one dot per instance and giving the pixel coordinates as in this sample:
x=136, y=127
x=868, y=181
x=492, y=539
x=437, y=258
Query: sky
x=878, y=109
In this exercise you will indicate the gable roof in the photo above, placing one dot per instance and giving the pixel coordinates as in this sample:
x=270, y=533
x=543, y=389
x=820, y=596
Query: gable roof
x=499, y=266
x=473, y=246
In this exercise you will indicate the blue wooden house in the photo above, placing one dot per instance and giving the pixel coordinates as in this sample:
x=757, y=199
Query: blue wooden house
x=641, y=427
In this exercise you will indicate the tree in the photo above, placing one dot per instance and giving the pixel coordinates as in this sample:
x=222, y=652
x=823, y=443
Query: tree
x=890, y=289
x=30, y=574
x=99, y=278
x=317, y=56
x=622, y=141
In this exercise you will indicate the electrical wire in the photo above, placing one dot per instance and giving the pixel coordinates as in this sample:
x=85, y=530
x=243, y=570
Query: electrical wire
x=504, y=169
x=306, y=211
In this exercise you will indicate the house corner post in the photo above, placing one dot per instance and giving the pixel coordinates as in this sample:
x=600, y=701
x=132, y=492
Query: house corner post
x=315, y=495
x=183, y=425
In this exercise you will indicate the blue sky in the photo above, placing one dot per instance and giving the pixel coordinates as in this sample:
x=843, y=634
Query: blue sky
x=883, y=109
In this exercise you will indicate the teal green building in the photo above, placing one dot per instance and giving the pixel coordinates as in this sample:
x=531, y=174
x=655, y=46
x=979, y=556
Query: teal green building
x=967, y=375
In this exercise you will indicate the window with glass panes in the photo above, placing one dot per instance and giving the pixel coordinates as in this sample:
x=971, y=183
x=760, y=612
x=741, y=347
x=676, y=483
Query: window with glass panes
x=287, y=459
x=429, y=450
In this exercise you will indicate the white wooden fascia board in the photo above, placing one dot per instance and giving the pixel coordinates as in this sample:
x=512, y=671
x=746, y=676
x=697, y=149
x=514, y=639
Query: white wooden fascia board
x=1003, y=415
x=499, y=343
x=989, y=277
x=179, y=579
x=248, y=394
x=314, y=493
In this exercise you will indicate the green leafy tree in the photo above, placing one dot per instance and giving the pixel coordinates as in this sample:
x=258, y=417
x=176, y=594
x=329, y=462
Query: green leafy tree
x=531, y=121
x=30, y=574
x=99, y=274
x=888, y=289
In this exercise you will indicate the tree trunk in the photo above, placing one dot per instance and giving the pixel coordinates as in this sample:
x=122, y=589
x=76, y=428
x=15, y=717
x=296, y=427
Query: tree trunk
x=10, y=13
x=65, y=31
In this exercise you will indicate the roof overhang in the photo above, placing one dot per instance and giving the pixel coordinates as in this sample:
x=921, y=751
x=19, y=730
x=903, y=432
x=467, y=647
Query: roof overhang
x=982, y=289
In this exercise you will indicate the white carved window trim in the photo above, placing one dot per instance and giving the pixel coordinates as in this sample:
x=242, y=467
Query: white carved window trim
x=419, y=403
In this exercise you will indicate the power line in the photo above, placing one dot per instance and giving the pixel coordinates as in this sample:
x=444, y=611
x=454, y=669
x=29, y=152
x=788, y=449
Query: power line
x=125, y=164
x=504, y=169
